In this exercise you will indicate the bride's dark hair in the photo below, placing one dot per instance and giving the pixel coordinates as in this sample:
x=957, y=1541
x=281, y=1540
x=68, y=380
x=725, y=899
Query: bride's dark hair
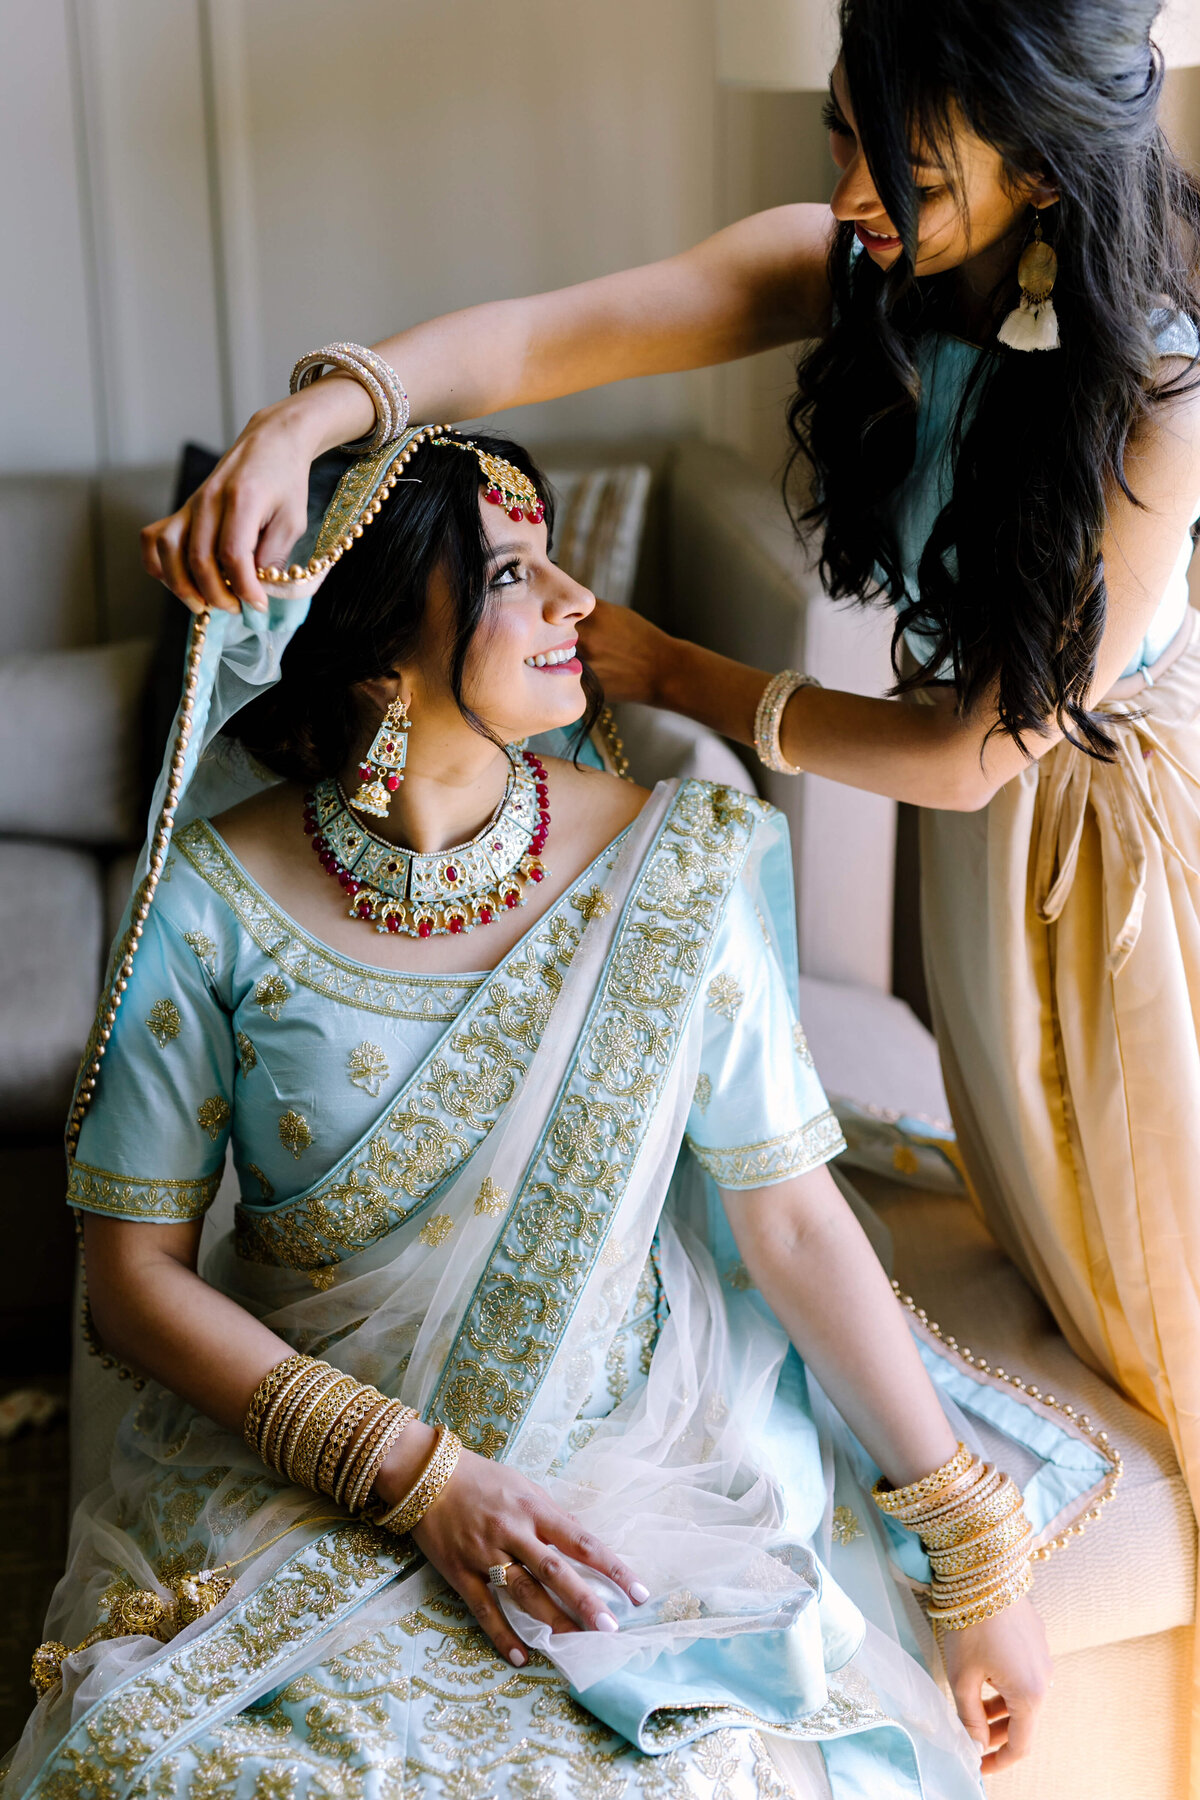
x=368, y=616
x=1011, y=579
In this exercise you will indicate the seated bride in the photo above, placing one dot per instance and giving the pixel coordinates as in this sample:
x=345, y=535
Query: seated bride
x=546, y=1425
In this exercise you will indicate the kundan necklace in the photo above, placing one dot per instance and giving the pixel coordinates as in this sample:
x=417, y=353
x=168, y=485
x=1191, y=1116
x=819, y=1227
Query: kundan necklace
x=449, y=890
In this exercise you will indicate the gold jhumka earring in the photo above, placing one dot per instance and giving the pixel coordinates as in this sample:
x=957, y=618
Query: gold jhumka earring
x=382, y=769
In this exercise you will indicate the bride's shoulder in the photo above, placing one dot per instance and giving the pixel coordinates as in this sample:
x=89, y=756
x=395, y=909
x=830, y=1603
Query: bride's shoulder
x=578, y=792
x=269, y=817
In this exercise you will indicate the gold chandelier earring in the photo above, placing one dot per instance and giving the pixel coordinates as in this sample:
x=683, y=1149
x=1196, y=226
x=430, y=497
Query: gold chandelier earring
x=382, y=769
x=1033, y=323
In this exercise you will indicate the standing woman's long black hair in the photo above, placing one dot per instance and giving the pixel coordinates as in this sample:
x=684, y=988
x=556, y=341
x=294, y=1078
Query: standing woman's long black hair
x=1011, y=580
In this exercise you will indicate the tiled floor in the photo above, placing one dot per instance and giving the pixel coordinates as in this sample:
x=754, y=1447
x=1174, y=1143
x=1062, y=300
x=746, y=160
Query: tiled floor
x=33, y=1544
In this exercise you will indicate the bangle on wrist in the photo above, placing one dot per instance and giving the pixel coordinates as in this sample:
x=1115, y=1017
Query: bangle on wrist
x=768, y=718
x=380, y=380
x=440, y=1466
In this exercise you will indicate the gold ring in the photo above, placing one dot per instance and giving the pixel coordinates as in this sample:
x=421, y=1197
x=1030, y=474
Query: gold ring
x=498, y=1574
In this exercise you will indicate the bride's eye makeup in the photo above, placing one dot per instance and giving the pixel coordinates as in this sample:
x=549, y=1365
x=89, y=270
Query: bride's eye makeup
x=508, y=575
x=832, y=119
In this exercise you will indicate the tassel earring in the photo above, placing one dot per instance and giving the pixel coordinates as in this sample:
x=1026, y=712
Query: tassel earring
x=1033, y=325
x=382, y=769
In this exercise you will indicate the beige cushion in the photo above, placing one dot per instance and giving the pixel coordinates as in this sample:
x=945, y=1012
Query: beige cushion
x=598, y=526
x=1131, y=1574
x=70, y=742
x=51, y=930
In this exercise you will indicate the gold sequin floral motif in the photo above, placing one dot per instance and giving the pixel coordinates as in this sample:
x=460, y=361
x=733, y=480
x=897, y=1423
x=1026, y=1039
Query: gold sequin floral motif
x=801, y=1043
x=703, y=1093
x=845, y=1526
x=725, y=996
x=247, y=1054
x=435, y=1231
x=271, y=994
x=294, y=1134
x=164, y=1022
x=368, y=1067
x=490, y=1199
x=594, y=904
x=213, y=1115
x=204, y=948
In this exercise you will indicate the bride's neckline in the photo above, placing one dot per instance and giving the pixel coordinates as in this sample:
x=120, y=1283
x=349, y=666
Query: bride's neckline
x=380, y=971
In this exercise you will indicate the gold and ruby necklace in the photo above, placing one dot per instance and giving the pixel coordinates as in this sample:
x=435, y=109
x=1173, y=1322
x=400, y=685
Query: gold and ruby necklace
x=451, y=890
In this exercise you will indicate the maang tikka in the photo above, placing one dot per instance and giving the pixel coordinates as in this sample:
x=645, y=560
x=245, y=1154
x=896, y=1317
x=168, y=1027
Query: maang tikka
x=382, y=769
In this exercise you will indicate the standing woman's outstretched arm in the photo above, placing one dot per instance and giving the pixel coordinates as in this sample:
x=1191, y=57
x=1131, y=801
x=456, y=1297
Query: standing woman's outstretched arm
x=759, y=283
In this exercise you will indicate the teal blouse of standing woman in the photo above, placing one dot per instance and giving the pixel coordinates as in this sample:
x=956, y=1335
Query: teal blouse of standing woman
x=554, y=1204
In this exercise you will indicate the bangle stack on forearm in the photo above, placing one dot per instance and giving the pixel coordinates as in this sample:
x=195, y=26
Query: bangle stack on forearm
x=971, y=1519
x=328, y=1431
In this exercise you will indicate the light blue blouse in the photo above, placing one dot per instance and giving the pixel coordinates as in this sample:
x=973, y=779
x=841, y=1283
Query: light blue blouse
x=238, y=1027
x=946, y=365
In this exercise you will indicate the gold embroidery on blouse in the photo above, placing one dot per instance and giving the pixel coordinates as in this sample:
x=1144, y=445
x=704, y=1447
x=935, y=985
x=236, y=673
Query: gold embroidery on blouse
x=213, y=1115
x=594, y=904
x=490, y=1199
x=164, y=1022
x=294, y=1134
x=368, y=1067
x=725, y=996
x=703, y=1093
x=801, y=1044
x=204, y=948
x=794, y=1152
x=268, y=1192
x=739, y=1278
x=132, y=1196
x=845, y=1527
x=247, y=1054
x=311, y=964
x=435, y=1231
x=271, y=993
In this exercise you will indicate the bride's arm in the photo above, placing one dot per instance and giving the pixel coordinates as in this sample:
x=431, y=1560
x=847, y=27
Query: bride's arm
x=756, y=284
x=815, y=1267
x=151, y=1308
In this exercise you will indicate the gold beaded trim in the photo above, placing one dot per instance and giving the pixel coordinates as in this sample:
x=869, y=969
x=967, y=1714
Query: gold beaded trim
x=106, y=1014
x=359, y=498
x=1081, y=1422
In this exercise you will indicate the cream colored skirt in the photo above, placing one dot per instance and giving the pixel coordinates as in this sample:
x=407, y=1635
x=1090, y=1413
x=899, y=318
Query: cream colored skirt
x=1062, y=946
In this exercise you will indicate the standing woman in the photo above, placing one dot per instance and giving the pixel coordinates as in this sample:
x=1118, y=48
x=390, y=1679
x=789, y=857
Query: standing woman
x=1016, y=470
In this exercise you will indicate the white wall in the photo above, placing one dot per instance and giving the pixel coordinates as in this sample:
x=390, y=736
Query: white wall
x=208, y=187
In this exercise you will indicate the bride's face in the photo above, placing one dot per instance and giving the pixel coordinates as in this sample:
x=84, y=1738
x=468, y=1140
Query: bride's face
x=522, y=674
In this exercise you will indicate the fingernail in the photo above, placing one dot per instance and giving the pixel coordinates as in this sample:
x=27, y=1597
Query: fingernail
x=638, y=1594
x=517, y=1657
x=606, y=1622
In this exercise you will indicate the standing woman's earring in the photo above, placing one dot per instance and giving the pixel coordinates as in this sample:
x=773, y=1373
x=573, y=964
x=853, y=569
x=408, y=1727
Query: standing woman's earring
x=382, y=769
x=1033, y=325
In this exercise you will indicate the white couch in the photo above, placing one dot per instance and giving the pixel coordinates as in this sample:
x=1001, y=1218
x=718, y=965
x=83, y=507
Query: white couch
x=720, y=564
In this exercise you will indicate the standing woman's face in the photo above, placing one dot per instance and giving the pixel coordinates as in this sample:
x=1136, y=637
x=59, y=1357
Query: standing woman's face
x=957, y=223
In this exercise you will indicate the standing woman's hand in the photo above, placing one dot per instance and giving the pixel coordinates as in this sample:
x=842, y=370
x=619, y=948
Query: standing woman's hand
x=625, y=651
x=254, y=505
x=1008, y=1653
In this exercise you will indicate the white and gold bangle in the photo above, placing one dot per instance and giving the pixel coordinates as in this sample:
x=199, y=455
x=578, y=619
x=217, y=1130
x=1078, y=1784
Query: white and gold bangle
x=769, y=717
x=367, y=367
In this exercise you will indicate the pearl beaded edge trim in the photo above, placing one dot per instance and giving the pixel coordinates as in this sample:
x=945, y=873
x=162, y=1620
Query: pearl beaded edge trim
x=769, y=716
x=1079, y=1421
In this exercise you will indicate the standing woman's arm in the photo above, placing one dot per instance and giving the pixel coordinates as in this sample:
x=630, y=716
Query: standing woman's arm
x=759, y=283
x=927, y=755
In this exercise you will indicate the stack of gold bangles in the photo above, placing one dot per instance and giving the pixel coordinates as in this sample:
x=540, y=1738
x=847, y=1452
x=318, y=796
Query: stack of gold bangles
x=328, y=1431
x=971, y=1519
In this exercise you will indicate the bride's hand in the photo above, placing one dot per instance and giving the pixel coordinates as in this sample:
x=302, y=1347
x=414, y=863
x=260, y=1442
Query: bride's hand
x=1008, y=1653
x=626, y=652
x=489, y=1514
x=254, y=505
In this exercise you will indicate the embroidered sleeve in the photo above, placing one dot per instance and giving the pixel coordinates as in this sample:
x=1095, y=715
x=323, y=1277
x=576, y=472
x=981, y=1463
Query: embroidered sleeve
x=759, y=1113
x=152, y=1146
